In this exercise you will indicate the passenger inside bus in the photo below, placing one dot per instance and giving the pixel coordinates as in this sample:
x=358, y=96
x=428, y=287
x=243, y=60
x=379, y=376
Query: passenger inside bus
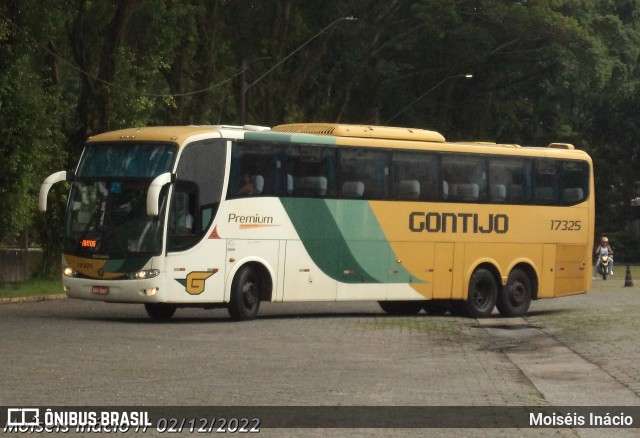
x=246, y=185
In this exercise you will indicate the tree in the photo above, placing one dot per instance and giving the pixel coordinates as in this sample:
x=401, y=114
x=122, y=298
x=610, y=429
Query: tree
x=545, y=70
x=29, y=124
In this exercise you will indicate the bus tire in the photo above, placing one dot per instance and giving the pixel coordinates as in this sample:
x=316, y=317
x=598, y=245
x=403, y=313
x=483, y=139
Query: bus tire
x=160, y=311
x=482, y=295
x=245, y=294
x=401, y=307
x=515, y=297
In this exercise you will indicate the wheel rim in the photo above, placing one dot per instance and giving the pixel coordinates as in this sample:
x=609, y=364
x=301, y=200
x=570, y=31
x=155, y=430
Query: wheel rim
x=482, y=293
x=517, y=293
x=250, y=293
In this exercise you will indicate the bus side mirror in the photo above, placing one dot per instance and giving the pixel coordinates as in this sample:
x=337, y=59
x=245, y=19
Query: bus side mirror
x=153, y=195
x=46, y=186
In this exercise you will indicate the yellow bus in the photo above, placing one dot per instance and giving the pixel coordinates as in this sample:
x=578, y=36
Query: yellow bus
x=231, y=216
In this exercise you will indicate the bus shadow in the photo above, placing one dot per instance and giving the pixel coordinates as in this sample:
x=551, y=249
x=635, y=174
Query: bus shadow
x=222, y=319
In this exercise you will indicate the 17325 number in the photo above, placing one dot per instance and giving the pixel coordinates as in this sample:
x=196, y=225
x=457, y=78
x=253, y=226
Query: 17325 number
x=558, y=225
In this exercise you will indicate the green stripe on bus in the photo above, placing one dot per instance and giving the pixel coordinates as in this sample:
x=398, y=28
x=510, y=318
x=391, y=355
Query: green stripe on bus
x=323, y=240
x=345, y=240
x=283, y=137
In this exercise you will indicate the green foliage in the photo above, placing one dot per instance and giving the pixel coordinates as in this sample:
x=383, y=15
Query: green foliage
x=544, y=70
x=29, y=131
x=32, y=288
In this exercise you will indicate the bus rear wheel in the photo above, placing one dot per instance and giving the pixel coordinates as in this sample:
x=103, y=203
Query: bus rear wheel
x=401, y=307
x=245, y=294
x=160, y=311
x=483, y=294
x=515, y=297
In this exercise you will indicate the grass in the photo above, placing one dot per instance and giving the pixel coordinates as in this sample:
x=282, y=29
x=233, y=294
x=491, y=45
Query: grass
x=31, y=288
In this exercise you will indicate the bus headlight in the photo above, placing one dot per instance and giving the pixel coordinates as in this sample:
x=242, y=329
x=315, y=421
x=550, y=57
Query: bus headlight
x=70, y=272
x=142, y=275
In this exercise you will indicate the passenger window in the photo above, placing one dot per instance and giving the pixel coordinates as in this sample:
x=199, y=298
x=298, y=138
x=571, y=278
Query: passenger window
x=575, y=182
x=509, y=180
x=415, y=176
x=256, y=170
x=546, y=182
x=364, y=174
x=311, y=172
x=465, y=177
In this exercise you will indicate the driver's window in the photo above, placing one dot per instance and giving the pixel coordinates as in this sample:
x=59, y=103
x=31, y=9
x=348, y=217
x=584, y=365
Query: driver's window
x=196, y=193
x=181, y=219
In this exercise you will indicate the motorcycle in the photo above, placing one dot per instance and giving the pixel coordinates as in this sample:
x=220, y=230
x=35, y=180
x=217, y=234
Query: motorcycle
x=603, y=268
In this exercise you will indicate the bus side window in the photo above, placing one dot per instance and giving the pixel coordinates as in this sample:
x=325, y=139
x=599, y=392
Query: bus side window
x=575, y=181
x=508, y=180
x=310, y=171
x=415, y=176
x=256, y=170
x=367, y=171
x=546, y=181
x=466, y=176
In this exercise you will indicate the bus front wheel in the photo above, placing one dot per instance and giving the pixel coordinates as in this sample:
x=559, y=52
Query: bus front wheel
x=160, y=311
x=515, y=297
x=483, y=294
x=245, y=294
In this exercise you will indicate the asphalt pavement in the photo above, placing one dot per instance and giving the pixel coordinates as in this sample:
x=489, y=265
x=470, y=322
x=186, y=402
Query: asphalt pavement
x=575, y=351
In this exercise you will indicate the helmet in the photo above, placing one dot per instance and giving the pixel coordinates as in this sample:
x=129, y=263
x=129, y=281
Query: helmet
x=605, y=240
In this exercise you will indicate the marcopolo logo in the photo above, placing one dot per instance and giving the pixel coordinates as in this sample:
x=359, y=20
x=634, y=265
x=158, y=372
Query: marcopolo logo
x=433, y=222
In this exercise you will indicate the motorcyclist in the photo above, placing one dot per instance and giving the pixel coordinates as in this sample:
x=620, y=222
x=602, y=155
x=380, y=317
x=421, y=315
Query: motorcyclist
x=604, y=249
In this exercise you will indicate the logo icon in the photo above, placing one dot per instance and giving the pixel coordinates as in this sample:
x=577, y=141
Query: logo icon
x=23, y=417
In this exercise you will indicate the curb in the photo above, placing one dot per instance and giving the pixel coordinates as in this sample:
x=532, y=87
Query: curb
x=32, y=299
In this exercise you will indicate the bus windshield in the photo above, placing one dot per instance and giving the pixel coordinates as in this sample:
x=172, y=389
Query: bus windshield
x=106, y=213
x=109, y=218
x=146, y=160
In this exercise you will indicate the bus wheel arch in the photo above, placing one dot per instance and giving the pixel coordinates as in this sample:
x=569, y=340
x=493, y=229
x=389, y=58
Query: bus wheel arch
x=520, y=289
x=251, y=285
x=482, y=292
